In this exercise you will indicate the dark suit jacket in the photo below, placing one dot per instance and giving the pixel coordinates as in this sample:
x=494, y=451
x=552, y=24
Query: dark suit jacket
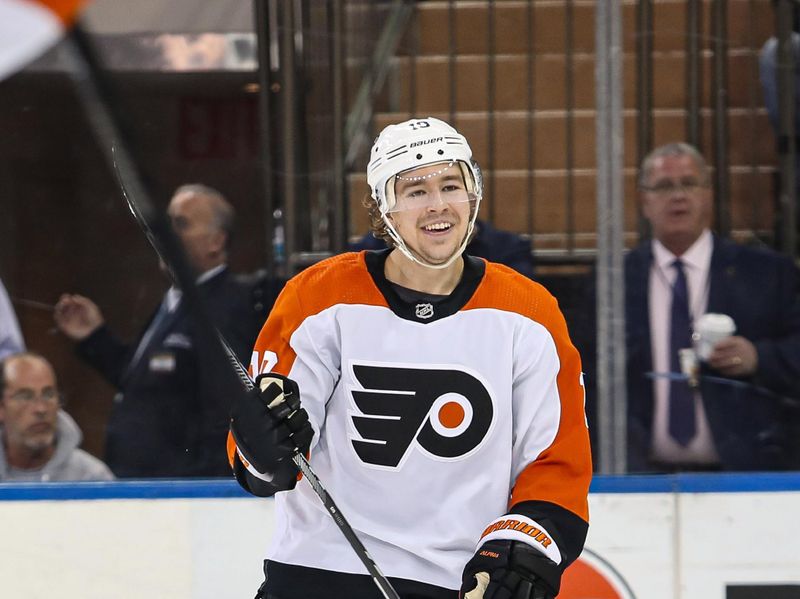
x=170, y=417
x=751, y=420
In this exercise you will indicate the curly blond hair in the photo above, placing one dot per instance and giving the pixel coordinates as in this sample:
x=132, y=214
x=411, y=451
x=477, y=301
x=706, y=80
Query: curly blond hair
x=376, y=223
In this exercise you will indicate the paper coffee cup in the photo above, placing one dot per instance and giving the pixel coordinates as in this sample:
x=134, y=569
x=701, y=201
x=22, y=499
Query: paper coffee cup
x=709, y=329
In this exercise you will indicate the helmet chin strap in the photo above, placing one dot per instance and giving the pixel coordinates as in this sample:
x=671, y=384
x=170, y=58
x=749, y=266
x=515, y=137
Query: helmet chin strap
x=401, y=245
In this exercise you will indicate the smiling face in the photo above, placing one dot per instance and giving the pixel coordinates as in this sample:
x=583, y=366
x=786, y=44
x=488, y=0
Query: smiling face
x=677, y=201
x=432, y=212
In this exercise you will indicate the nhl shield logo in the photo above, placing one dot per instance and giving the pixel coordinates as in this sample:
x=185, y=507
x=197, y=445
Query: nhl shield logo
x=424, y=310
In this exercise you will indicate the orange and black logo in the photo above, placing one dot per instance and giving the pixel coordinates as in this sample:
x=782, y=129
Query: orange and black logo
x=447, y=413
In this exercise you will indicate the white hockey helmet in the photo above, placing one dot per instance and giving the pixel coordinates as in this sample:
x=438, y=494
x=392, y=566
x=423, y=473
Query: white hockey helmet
x=413, y=144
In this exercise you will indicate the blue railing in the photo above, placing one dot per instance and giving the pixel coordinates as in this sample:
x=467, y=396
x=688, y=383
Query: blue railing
x=223, y=488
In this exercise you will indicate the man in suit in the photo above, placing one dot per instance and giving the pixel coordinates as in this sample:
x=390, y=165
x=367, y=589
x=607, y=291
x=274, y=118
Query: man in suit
x=741, y=415
x=168, y=418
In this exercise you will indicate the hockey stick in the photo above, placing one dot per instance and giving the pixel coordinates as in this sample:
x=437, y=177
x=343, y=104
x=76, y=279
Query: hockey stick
x=108, y=126
x=733, y=384
x=299, y=459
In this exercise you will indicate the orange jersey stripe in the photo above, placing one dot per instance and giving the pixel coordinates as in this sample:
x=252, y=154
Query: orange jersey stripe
x=562, y=472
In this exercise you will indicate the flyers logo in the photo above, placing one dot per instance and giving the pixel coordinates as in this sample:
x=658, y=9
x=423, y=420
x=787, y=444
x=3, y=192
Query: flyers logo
x=447, y=413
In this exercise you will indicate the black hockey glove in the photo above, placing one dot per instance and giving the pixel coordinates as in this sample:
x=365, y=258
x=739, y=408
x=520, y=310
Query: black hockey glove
x=269, y=426
x=504, y=569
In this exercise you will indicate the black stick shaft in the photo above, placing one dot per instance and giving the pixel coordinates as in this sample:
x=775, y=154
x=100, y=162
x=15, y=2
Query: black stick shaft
x=108, y=126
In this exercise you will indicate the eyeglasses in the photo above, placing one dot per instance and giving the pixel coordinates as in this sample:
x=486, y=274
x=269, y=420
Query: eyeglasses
x=28, y=396
x=667, y=188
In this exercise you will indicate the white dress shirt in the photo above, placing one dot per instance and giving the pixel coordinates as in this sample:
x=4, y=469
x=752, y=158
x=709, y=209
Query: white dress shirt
x=697, y=263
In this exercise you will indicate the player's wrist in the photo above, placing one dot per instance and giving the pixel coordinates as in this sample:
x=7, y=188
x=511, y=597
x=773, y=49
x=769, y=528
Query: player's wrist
x=283, y=480
x=521, y=528
x=251, y=469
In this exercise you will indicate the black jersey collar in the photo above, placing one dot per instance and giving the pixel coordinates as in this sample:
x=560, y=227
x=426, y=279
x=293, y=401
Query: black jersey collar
x=422, y=311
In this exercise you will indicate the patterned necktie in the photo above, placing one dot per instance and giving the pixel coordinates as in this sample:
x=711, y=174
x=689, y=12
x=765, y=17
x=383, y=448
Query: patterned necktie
x=682, y=426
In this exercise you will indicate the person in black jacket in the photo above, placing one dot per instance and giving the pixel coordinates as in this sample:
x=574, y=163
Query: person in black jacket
x=169, y=418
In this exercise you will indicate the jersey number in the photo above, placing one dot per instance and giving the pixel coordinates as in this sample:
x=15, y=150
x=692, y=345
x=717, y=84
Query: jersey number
x=262, y=362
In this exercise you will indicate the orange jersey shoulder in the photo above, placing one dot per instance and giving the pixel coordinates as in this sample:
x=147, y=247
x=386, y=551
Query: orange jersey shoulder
x=504, y=288
x=342, y=279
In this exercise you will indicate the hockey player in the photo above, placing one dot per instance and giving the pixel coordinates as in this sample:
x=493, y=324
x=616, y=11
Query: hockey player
x=438, y=396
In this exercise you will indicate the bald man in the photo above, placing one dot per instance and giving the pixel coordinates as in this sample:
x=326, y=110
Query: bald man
x=169, y=417
x=40, y=441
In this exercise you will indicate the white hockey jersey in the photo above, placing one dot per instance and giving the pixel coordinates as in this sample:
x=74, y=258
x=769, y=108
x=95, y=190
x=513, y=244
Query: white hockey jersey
x=430, y=419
